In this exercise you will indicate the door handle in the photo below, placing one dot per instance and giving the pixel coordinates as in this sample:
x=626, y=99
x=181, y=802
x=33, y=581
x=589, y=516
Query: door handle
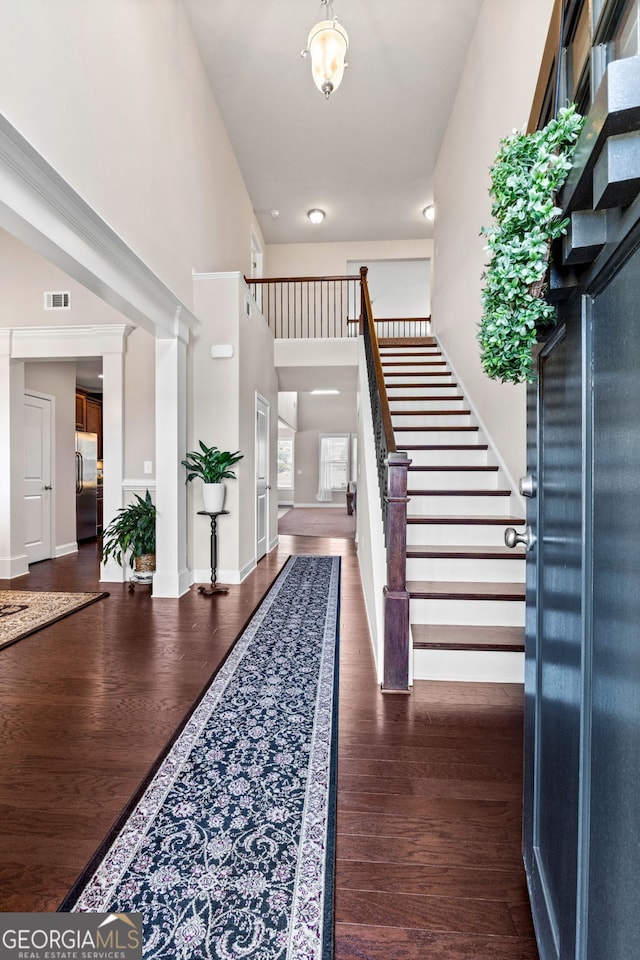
x=48, y=486
x=527, y=486
x=512, y=537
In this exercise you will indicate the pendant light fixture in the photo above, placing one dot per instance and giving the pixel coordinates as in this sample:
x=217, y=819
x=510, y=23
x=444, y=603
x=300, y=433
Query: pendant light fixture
x=327, y=46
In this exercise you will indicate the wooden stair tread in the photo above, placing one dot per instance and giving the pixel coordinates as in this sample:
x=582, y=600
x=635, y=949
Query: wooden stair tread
x=464, y=590
x=458, y=493
x=433, y=396
x=416, y=373
x=465, y=552
x=465, y=637
x=445, y=446
x=431, y=518
x=430, y=413
x=455, y=468
x=413, y=429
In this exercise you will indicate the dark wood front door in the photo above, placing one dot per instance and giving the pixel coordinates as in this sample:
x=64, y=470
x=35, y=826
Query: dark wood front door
x=582, y=785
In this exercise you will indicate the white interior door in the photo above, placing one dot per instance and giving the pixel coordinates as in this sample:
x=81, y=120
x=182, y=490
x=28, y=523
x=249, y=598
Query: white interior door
x=38, y=424
x=262, y=476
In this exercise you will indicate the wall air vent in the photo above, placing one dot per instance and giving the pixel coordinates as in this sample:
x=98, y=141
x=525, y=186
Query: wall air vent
x=58, y=300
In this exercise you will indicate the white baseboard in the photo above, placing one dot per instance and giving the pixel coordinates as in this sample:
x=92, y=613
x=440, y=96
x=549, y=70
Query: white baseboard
x=11, y=567
x=170, y=585
x=64, y=549
x=273, y=543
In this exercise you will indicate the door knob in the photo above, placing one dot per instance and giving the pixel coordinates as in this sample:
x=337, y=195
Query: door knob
x=527, y=486
x=512, y=538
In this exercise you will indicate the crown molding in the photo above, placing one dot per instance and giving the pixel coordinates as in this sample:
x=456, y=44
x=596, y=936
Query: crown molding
x=41, y=209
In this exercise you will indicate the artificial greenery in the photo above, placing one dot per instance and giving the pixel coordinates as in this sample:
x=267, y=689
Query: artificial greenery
x=527, y=173
x=210, y=464
x=132, y=530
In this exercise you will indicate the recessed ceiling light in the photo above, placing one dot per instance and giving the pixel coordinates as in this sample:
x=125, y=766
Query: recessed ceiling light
x=274, y=213
x=325, y=393
x=316, y=215
x=429, y=213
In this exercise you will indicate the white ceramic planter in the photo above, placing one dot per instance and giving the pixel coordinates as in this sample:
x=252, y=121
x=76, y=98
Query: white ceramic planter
x=213, y=497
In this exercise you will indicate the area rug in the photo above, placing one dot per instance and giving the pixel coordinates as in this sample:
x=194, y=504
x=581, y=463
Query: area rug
x=229, y=851
x=23, y=612
x=318, y=522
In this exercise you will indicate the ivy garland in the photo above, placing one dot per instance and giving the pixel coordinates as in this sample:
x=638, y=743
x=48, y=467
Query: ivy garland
x=526, y=176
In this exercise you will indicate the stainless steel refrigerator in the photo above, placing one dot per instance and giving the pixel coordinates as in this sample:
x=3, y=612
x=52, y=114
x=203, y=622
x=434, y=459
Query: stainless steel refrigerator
x=86, y=485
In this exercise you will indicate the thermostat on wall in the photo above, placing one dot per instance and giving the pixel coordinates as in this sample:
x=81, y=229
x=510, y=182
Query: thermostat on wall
x=220, y=351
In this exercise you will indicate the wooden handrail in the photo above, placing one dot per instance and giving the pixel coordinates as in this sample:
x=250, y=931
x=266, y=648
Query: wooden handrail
x=367, y=319
x=250, y=280
x=393, y=465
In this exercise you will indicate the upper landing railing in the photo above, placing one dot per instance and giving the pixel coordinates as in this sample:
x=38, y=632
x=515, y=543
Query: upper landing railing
x=321, y=308
x=328, y=307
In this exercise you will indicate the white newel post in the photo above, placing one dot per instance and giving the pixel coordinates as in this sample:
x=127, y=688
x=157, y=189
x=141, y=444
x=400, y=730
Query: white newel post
x=13, y=557
x=171, y=578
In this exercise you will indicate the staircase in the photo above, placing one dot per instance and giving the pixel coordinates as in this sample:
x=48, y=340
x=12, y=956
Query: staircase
x=466, y=587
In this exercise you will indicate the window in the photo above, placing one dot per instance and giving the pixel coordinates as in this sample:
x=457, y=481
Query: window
x=334, y=464
x=285, y=463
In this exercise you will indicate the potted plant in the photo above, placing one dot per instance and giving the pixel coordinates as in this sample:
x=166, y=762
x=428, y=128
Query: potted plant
x=133, y=531
x=212, y=466
x=528, y=172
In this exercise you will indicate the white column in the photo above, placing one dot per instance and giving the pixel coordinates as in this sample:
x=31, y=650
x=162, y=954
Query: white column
x=13, y=557
x=113, y=446
x=172, y=578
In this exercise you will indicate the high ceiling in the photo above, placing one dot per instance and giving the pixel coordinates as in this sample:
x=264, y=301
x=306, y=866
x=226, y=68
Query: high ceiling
x=366, y=155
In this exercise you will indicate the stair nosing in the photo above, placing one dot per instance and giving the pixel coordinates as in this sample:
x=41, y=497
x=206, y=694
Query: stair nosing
x=442, y=642
x=455, y=590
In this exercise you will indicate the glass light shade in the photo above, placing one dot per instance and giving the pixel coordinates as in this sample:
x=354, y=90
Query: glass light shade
x=316, y=215
x=327, y=44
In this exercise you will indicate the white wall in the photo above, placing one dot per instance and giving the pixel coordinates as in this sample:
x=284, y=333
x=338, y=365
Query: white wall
x=115, y=97
x=397, y=288
x=494, y=97
x=330, y=259
x=24, y=276
x=288, y=407
x=218, y=419
x=317, y=415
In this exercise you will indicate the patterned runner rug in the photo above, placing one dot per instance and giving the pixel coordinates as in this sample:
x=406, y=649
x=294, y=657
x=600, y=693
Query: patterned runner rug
x=229, y=852
x=23, y=612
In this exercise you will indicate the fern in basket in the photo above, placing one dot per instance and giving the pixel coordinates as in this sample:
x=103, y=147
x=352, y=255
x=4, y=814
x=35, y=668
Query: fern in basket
x=528, y=172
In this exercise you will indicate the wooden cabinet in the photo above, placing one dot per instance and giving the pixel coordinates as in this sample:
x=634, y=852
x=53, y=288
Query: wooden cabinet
x=81, y=411
x=89, y=417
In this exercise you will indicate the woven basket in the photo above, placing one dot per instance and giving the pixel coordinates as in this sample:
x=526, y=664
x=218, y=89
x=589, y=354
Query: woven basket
x=145, y=563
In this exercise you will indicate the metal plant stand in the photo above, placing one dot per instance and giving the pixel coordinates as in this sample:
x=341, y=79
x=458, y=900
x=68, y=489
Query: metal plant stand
x=214, y=587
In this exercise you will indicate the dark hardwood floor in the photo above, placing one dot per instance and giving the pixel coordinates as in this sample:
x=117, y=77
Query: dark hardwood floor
x=430, y=785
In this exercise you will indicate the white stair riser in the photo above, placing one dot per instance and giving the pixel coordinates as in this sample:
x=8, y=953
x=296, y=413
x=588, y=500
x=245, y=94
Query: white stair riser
x=416, y=352
x=442, y=458
x=431, y=364
x=502, y=613
x=402, y=421
x=453, y=534
x=421, y=390
x=454, y=479
x=482, y=666
x=402, y=381
x=417, y=407
x=437, y=437
x=466, y=568
x=461, y=506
